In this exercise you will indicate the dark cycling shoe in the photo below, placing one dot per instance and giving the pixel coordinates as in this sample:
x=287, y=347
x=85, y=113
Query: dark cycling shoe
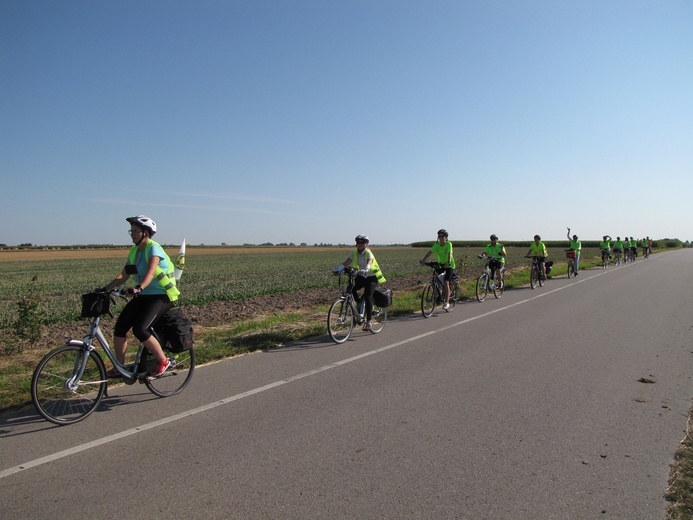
x=113, y=373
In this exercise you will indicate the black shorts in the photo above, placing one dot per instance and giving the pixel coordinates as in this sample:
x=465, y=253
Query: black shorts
x=494, y=264
x=140, y=313
x=448, y=272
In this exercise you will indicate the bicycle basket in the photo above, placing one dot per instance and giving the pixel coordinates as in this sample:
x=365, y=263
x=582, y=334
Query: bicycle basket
x=570, y=254
x=95, y=304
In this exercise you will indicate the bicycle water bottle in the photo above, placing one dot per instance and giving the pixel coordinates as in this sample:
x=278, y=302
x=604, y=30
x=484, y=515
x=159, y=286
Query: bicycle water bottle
x=441, y=277
x=362, y=308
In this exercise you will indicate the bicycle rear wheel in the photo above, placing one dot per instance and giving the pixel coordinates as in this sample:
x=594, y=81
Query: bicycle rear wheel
x=482, y=287
x=56, y=397
x=453, y=294
x=378, y=319
x=176, y=377
x=340, y=321
x=428, y=300
x=498, y=286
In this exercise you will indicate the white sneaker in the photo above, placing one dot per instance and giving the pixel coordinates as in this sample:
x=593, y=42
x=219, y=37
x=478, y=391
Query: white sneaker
x=446, y=306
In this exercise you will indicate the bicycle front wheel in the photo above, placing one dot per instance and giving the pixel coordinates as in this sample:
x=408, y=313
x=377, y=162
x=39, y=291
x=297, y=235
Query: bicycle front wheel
x=533, y=277
x=571, y=269
x=340, y=321
x=378, y=319
x=57, y=396
x=482, y=287
x=176, y=377
x=428, y=300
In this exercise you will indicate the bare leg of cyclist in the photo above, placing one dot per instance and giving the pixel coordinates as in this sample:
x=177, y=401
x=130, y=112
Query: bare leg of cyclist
x=152, y=345
x=120, y=345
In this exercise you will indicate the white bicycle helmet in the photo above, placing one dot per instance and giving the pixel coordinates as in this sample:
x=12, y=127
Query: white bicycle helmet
x=143, y=221
x=362, y=237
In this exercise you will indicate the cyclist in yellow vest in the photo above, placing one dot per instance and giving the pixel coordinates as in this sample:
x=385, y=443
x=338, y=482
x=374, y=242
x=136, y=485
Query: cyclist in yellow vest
x=368, y=277
x=538, y=249
x=618, y=248
x=443, y=250
x=153, y=295
x=495, y=252
x=605, y=246
x=575, y=245
x=633, y=247
x=645, y=244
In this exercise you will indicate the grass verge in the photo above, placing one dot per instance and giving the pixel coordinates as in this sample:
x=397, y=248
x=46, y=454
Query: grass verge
x=680, y=490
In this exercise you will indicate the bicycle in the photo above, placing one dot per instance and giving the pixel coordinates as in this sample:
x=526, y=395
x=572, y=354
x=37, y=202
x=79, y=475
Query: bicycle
x=434, y=292
x=344, y=314
x=570, y=255
x=535, y=275
x=605, y=258
x=617, y=256
x=483, y=283
x=70, y=381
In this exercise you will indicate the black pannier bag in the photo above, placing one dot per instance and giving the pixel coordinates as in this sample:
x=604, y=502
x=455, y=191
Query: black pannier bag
x=549, y=265
x=175, y=331
x=382, y=297
x=95, y=304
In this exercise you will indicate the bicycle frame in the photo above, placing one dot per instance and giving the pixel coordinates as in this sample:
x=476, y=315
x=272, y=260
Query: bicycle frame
x=341, y=323
x=62, y=395
x=535, y=273
x=87, y=343
x=347, y=293
x=434, y=291
x=605, y=258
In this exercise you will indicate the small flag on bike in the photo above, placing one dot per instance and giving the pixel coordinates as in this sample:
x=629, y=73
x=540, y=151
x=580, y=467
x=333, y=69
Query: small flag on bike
x=179, y=263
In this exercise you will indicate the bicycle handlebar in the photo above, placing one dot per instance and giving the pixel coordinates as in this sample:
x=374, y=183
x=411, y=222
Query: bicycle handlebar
x=436, y=264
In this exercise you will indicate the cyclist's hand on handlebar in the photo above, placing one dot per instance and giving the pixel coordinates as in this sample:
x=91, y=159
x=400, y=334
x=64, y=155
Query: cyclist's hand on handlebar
x=134, y=291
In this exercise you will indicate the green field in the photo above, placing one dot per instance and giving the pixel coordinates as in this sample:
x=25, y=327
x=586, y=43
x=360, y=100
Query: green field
x=233, y=274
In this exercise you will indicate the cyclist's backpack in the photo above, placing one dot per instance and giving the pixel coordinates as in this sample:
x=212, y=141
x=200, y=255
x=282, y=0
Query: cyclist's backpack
x=382, y=297
x=175, y=331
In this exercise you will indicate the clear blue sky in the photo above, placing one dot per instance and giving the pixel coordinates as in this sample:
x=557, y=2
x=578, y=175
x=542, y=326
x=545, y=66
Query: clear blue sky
x=312, y=121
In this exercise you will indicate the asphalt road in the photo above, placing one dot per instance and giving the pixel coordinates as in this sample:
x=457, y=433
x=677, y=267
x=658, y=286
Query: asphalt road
x=528, y=407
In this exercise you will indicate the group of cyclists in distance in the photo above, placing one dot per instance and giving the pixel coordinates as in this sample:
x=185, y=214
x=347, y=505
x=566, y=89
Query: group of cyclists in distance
x=370, y=275
x=623, y=251
x=156, y=289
